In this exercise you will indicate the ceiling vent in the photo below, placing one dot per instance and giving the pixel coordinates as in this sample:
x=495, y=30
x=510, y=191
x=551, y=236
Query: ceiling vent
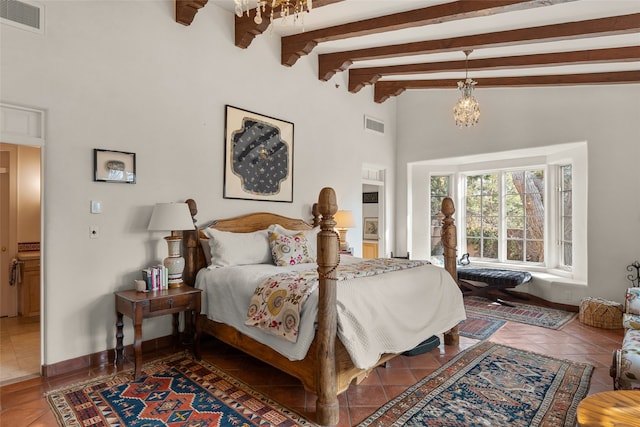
x=373, y=125
x=22, y=15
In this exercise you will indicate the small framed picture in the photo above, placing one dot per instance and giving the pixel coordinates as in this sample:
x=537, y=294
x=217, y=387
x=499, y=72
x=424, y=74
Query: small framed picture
x=370, y=229
x=114, y=166
x=370, y=197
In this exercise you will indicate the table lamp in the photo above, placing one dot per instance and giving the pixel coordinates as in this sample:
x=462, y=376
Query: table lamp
x=344, y=220
x=172, y=217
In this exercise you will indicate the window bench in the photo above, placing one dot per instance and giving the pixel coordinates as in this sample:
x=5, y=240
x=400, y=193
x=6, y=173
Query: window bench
x=496, y=281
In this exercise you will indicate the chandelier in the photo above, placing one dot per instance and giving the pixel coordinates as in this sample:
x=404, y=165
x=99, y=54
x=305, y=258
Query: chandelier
x=294, y=8
x=467, y=111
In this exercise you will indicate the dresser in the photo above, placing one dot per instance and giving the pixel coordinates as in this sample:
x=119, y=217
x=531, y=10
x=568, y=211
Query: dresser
x=369, y=250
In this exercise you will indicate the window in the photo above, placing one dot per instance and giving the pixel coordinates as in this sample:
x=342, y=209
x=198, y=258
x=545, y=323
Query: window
x=523, y=208
x=566, y=216
x=506, y=214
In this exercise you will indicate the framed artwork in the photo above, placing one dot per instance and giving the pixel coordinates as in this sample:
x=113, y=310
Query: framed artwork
x=258, y=157
x=370, y=197
x=370, y=229
x=114, y=166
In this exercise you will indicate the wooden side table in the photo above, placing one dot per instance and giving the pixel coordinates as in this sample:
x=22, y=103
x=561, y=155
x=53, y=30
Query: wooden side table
x=141, y=305
x=610, y=408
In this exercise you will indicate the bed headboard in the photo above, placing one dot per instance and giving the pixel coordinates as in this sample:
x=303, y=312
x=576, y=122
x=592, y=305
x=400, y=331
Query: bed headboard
x=193, y=252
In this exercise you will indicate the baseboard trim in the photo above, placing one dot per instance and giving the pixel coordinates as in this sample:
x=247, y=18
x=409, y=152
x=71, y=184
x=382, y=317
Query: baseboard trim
x=102, y=358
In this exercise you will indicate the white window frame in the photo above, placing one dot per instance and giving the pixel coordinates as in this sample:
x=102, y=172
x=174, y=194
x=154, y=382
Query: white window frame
x=549, y=235
x=551, y=158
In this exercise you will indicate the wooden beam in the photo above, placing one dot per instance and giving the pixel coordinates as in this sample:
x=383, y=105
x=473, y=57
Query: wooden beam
x=359, y=77
x=387, y=88
x=330, y=63
x=295, y=46
x=186, y=10
x=246, y=29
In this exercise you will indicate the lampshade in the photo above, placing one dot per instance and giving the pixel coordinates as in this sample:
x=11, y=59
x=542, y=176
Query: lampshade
x=344, y=219
x=171, y=216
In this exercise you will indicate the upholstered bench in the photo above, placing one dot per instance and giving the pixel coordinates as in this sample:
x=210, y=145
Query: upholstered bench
x=499, y=280
x=625, y=368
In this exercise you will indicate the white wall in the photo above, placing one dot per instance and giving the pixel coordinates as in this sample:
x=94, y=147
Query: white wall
x=125, y=76
x=606, y=117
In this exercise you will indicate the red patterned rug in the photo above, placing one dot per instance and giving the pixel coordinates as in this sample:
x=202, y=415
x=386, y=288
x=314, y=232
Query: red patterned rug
x=544, y=317
x=479, y=328
x=177, y=391
x=491, y=385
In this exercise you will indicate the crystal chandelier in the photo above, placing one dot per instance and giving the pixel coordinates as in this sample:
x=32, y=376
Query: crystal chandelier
x=467, y=111
x=288, y=8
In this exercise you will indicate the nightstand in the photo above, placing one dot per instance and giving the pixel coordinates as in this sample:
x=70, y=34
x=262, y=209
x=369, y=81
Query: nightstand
x=142, y=305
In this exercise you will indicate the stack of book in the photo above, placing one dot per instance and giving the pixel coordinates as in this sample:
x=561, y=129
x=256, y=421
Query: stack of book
x=157, y=277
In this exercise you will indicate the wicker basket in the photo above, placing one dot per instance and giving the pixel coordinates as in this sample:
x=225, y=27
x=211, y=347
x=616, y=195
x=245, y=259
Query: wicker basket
x=601, y=313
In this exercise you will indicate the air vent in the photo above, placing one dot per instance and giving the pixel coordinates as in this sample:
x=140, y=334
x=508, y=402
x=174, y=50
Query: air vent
x=22, y=15
x=373, y=125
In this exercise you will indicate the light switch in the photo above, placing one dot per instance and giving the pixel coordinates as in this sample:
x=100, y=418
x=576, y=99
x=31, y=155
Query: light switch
x=96, y=206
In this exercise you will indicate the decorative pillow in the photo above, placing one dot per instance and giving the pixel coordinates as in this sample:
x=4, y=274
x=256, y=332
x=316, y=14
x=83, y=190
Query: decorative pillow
x=229, y=248
x=311, y=235
x=289, y=250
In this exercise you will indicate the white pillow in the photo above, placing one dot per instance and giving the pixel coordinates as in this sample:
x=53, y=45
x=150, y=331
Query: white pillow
x=311, y=236
x=229, y=248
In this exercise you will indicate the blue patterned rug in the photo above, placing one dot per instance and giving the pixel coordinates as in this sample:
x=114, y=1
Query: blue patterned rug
x=479, y=328
x=491, y=385
x=177, y=391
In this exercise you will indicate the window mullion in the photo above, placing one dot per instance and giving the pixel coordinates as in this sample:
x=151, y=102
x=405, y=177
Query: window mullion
x=502, y=212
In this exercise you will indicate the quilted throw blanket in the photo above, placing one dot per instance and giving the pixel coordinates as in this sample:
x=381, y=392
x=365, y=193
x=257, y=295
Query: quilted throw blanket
x=277, y=302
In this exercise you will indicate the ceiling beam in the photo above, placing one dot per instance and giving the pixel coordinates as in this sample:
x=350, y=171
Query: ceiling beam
x=295, y=46
x=387, y=88
x=359, y=77
x=186, y=10
x=246, y=29
x=330, y=63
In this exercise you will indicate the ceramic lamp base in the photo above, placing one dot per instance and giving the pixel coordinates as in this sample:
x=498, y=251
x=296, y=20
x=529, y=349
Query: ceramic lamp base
x=344, y=245
x=174, y=262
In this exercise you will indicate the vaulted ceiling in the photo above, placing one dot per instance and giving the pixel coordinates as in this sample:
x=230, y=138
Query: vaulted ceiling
x=399, y=45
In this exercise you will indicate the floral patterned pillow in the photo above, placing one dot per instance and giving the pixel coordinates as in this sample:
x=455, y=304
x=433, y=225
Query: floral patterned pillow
x=289, y=249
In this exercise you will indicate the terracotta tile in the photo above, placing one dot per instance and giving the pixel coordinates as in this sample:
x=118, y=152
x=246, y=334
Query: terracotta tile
x=397, y=376
x=366, y=396
x=359, y=414
x=21, y=417
x=47, y=419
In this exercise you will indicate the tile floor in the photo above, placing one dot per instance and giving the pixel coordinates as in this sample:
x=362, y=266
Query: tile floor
x=22, y=404
x=19, y=348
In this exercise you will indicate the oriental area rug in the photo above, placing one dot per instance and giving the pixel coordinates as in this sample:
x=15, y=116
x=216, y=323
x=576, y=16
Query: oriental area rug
x=522, y=313
x=491, y=385
x=176, y=391
x=479, y=328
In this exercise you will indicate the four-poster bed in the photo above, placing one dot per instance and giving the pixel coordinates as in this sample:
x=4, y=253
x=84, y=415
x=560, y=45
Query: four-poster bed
x=327, y=368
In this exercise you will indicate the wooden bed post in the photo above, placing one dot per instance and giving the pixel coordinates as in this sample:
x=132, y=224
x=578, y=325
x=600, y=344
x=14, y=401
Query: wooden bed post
x=190, y=248
x=327, y=407
x=449, y=242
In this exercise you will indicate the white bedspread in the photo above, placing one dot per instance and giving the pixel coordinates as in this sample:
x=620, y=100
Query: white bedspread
x=387, y=313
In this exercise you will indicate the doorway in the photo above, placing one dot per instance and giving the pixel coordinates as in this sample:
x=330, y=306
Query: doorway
x=21, y=153
x=20, y=198
x=374, y=230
